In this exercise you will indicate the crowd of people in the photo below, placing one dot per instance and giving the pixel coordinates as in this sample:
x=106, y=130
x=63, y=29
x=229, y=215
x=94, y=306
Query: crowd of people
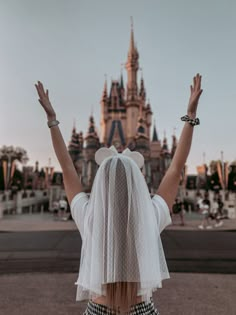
x=212, y=212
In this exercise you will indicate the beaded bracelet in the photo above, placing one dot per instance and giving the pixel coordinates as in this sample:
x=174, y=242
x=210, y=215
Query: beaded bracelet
x=193, y=122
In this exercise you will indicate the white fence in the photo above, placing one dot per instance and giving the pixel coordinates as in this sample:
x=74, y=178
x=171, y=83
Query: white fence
x=23, y=201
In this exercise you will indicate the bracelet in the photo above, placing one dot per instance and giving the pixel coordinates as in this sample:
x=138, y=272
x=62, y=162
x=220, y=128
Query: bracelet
x=193, y=122
x=53, y=123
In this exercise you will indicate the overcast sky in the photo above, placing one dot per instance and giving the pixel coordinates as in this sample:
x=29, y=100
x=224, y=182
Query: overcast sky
x=71, y=44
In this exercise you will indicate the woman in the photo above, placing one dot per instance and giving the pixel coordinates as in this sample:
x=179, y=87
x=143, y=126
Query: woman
x=122, y=259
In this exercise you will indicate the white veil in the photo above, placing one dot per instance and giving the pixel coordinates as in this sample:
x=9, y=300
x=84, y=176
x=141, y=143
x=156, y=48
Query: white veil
x=122, y=240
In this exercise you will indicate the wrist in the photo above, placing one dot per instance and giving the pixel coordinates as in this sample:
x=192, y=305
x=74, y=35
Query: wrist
x=192, y=115
x=51, y=117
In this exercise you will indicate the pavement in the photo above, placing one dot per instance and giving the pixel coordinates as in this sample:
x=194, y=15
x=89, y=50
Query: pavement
x=38, y=242
x=54, y=294
x=39, y=263
x=47, y=222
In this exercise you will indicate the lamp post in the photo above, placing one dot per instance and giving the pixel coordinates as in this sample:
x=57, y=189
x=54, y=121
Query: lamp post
x=223, y=174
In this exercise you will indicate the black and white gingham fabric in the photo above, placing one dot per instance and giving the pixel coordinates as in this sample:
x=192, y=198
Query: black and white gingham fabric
x=143, y=308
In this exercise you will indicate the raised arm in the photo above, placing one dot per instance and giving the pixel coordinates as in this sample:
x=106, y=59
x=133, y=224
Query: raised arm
x=169, y=185
x=71, y=180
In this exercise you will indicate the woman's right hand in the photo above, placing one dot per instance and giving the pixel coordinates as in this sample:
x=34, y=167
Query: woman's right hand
x=45, y=102
x=196, y=92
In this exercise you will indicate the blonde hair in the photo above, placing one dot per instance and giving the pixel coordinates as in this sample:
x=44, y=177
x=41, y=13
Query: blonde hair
x=121, y=296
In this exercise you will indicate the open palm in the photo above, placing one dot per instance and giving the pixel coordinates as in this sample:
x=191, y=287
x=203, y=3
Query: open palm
x=44, y=100
x=195, y=94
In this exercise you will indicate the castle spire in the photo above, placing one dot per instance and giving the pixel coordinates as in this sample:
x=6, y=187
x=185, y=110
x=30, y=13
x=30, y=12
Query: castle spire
x=132, y=67
x=91, y=128
x=74, y=146
x=132, y=49
x=154, y=136
x=104, y=93
x=142, y=92
x=74, y=126
x=91, y=138
x=165, y=148
x=174, y=145
x=121, y=81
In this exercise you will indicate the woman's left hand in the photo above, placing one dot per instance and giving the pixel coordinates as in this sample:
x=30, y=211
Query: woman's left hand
x=45, y=102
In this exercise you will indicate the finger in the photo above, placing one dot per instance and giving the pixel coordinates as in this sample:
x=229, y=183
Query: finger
x=41, y=87
x=199, y=83
x=38, y=90
x=194, y=82
x=47, y=93
x=36, y=87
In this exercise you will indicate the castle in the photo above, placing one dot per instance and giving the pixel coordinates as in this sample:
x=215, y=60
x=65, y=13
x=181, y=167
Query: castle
x=126, y=120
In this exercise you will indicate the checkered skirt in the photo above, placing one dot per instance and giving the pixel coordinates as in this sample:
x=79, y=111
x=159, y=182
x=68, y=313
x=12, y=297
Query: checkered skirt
x=143, y=308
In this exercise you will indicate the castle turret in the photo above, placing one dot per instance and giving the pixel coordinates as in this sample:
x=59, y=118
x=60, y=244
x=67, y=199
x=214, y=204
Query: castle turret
x=91, y=138
x=174, y=145
x=156, y=162
x=74, y=145
x=104, y=114
x=143, y=146
x=148, y=116
x=132, y=67
x=155, y=146
x=133, y=101
x=122, y=89
x=141, y=139
x=92, y=144
x=142, y=91
x=166, y=155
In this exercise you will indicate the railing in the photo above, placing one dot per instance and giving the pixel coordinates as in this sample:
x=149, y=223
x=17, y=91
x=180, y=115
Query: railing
x=23, y=201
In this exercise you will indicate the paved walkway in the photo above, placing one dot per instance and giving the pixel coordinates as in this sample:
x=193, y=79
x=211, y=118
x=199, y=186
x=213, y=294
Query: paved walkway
x=46, y=222
x=54, y=294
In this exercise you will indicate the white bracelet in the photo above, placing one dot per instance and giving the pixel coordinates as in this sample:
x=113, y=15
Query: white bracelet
x=53, y=123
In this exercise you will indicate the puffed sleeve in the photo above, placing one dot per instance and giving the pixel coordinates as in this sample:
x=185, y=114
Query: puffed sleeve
x=78, y=209
x=162, y=212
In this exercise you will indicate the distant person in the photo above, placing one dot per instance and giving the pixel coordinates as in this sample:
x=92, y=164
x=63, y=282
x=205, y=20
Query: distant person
x=214, y=209
x=182, y=213
x=207, y=201
x=120, y=224
x=219, y=214
x=205, y=211
x=55, y=208
x=62, y=208
x=199, y=202
x=179, y=209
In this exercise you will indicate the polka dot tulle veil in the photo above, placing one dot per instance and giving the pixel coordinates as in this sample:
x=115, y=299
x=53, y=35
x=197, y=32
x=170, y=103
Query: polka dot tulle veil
x=120, y=226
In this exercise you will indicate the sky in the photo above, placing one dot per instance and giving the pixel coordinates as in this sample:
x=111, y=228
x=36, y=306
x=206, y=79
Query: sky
x=70, y=45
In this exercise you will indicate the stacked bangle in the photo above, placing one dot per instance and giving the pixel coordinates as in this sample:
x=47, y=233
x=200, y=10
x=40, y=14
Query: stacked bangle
x=193, y=122
x=52, y=123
